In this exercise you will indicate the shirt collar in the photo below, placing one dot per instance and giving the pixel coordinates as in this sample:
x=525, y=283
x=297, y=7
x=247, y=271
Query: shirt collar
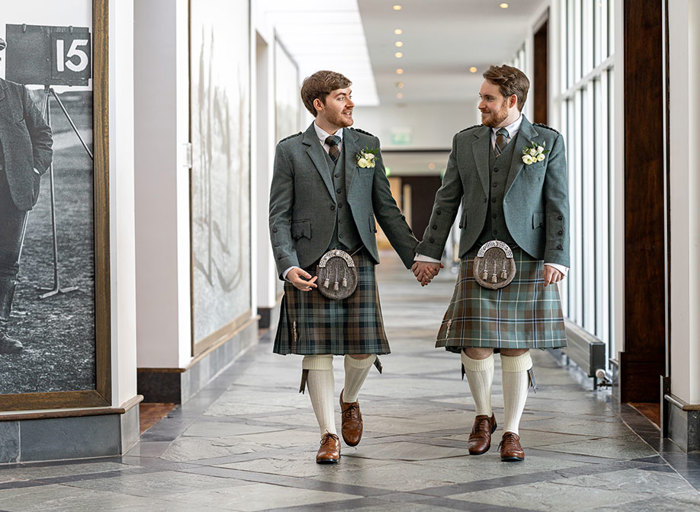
x=323, y=134
x=512, y=128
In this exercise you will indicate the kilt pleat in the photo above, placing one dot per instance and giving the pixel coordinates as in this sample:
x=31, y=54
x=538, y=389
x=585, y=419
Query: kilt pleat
x=313, y=324
x=523, y=315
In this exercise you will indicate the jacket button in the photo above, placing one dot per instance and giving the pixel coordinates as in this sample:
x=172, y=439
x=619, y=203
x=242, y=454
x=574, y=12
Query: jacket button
x=340, y=205
x=431, y=240
x=339, y=191
x=434, y=226
x=274, y=230
x=340, y=235
x=437, y=212
x=559, y=247
x=279, y=257
x=337, y=175
x=495, y=185
x=560, y=217
x=493, y=200
x=332, y=207
x=495, y=169
x=461, y=226
x=560, y=232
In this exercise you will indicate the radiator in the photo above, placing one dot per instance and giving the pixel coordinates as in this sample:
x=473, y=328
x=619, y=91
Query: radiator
x=584, y=349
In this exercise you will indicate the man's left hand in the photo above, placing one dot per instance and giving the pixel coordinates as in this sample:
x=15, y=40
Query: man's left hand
x=552, y=275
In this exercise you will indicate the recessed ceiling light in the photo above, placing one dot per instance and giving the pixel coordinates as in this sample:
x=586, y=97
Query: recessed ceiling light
x=398, y=44
x=398, y=31
x=398, y=55
x=399, y=71
x=472, y=69
x=431, y=166
x=399, y=85
x=397, y=7
x=503, y=5
x=399, y=95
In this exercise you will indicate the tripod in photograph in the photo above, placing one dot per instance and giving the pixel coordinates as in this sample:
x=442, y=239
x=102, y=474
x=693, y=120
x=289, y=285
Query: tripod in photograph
x=57, y=288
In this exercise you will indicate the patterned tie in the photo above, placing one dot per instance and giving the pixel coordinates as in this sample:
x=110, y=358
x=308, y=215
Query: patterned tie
x=334, y=151
x=502, y=139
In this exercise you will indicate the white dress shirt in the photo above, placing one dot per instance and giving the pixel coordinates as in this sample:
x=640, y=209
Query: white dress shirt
x=513, y=129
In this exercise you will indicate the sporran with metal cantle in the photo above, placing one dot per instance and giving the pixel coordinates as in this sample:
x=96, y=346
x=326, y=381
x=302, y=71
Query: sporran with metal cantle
x=337, y=275
x=494, y=265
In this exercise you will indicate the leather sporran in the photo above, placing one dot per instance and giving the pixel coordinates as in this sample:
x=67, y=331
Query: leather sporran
x=494, y=265
x=337, y=275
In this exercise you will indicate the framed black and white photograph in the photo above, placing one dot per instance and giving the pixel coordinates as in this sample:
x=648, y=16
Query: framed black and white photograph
x=220, y=180
x=54, y=246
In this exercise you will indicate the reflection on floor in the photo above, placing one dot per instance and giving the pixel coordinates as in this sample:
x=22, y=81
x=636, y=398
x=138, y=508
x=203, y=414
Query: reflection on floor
x=247, y=442
x=651, y=411
x=151, y=413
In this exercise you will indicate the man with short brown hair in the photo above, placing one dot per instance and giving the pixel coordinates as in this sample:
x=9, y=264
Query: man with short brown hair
x=329, y=185
x=510, y=178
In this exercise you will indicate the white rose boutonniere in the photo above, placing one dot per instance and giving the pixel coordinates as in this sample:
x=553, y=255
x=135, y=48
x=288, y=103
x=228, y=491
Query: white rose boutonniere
x=366, y=158
x=534, y=152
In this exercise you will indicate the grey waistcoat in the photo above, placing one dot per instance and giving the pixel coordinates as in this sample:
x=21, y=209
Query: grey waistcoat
x=495, y=226
x=345, y=234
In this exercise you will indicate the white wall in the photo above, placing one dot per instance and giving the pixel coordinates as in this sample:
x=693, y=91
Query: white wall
x=684, y=64
x=432, y=125
x=161, y=64
x=121, y=200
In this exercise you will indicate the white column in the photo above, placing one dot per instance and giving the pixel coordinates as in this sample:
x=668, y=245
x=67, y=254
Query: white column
x=684, y=64
x=161, y=57
x=121, y=201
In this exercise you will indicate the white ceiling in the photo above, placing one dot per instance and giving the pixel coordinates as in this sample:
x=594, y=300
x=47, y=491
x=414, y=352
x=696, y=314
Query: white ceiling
x=442, y=39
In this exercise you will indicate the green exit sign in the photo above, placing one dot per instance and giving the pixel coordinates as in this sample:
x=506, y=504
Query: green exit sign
x=401, y=137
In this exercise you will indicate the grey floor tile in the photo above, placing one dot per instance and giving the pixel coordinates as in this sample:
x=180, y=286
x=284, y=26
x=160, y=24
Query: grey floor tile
x=156, y=484
x=253, y=497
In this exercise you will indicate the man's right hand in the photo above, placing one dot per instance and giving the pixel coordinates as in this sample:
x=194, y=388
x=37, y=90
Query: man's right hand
x=301, y=279
x=426, y=271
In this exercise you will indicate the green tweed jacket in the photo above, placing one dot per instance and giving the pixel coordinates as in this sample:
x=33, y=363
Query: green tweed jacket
x=303, y=204
x=535, y=204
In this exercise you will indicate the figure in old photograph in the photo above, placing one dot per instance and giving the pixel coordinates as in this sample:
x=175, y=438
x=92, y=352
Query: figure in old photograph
x=25, y=154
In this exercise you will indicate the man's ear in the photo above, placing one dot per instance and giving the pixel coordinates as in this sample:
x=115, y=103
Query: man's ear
x=512, y=101
x=318, y=105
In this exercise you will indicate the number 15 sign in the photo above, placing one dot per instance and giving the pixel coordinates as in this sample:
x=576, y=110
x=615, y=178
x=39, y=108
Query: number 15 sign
x=45, y=55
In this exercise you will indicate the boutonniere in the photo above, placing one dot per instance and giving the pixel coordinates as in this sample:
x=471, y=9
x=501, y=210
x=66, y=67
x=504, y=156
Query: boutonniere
x=366, y=158
x=534, y=152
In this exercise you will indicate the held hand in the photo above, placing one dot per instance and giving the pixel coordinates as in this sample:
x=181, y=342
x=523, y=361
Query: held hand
x=426, y=271
x=302, y=280
x=552, y=275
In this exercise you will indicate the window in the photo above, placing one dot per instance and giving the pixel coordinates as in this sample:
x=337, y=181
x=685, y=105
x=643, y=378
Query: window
x=586, y=106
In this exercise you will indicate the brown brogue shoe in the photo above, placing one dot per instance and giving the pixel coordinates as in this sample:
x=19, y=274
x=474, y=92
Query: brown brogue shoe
x=511, y=451
x=352, y=422
x=329, y=452
x=480, y=437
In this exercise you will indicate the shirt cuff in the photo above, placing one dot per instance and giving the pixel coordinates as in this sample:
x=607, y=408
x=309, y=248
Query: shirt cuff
x=426, y=259
x=561, y=268
x=284, y=274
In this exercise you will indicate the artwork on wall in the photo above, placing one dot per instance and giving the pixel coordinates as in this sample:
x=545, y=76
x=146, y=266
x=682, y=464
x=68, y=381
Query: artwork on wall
x=220, y=182
x=287, y=99
x=54, y=272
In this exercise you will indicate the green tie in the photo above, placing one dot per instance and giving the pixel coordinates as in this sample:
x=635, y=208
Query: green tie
x=502, y=139
x=334, y=151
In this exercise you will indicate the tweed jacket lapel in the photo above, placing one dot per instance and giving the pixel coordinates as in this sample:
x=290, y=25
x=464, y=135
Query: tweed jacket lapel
x=315, y=152
x=480, y=148
x=350, y=149
x=526, y=134
x=4, y=104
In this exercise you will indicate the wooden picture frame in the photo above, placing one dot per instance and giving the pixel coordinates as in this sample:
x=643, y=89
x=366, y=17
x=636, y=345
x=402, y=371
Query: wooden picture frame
x=101, y=396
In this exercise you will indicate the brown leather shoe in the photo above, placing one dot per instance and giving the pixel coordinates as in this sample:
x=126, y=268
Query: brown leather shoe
x=352, y=422
x=480, y=437
x=511, y=451
x=329, y=452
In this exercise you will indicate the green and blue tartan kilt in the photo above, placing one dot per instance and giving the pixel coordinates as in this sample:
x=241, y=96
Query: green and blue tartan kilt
x=522, y=315
x=313, y=324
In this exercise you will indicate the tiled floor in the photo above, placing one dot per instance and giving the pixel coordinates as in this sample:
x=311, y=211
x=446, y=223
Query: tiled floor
x=247, y=442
